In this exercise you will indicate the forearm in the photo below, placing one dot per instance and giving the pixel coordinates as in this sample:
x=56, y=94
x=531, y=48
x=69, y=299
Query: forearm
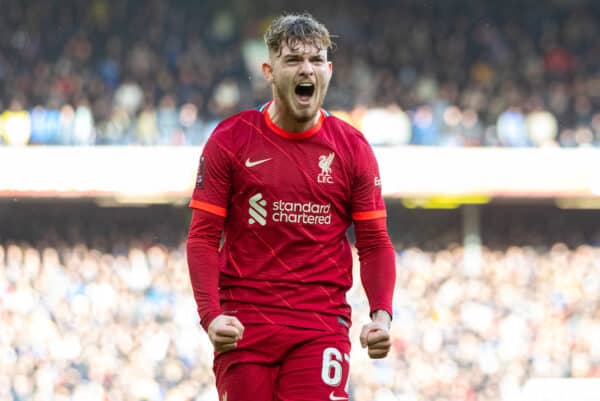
x=377, y=265
x=203, y=263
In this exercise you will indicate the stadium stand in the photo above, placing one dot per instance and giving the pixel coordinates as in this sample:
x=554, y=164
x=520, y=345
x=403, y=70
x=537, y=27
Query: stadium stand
x=96, y=305
x=453, y=73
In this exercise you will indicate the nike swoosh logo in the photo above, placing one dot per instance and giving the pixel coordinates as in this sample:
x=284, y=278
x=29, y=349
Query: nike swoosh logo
x=333, y=397
x=256, y=162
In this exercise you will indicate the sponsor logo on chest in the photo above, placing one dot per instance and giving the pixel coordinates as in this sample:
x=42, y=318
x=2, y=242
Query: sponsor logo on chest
x=306, y=213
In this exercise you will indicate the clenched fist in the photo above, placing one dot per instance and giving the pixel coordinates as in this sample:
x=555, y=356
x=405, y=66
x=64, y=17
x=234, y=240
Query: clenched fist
x=224, y=332
x=376, y=335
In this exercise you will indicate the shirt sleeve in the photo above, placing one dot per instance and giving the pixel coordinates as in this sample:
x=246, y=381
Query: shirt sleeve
x=213, y=179
x=376, y=254
x=203, y=263
x=367, y=200
x=210, y=201
x=377, y=263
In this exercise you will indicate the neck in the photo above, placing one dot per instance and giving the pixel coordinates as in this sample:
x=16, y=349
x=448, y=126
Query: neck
x=284, y=119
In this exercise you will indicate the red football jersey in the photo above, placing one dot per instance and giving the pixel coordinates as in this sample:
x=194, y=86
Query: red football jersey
x=288, y=200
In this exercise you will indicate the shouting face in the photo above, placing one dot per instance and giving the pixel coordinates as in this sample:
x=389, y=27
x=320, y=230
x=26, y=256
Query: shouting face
x=299, y=77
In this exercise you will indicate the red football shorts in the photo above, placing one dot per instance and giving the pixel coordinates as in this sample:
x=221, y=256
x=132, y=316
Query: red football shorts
x=281, y=363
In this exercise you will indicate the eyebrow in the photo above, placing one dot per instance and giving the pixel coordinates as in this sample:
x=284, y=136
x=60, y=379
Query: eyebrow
x=300, y=55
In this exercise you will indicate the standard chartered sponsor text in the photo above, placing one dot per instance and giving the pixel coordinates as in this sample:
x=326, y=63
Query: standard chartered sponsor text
x=301, y=213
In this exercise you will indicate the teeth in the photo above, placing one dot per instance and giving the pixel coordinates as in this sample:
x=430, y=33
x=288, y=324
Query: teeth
x=305, y=84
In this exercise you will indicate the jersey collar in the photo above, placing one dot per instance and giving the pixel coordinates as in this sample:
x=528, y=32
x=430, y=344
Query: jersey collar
x=292, y=135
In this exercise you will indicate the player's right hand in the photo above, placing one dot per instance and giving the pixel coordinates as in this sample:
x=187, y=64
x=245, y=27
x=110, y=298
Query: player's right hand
x=224, y=332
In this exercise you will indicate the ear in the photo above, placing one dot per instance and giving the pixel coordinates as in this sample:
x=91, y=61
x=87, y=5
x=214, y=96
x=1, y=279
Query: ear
x=330, y=65
x=267, y=70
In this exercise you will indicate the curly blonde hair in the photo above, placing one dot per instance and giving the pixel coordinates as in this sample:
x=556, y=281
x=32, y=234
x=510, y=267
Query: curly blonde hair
x=297, y=29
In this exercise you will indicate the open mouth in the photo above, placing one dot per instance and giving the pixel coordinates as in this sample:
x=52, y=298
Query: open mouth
x=305, y=90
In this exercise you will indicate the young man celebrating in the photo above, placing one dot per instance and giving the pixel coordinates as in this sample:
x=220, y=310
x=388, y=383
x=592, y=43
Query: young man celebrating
x=284, y=183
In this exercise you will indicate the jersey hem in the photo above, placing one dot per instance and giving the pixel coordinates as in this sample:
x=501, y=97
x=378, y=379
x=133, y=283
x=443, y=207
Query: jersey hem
x=304, y=319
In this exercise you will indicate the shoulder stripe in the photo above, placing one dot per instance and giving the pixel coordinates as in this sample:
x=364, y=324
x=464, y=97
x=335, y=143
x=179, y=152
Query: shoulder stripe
x=262, y=108
x=371, y=215
x=208, y=207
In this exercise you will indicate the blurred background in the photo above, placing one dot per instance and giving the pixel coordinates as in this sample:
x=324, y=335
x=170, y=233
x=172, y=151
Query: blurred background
x=484, y=116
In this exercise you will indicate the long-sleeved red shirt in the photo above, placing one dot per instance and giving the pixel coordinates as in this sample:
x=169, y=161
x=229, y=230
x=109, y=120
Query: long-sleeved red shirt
x=284, y=202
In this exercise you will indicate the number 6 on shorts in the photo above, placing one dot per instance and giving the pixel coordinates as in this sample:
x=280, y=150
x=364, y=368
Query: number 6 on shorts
x=331, y=372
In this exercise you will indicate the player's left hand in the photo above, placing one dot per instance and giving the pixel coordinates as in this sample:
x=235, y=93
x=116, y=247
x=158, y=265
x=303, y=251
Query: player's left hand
x=376, y=335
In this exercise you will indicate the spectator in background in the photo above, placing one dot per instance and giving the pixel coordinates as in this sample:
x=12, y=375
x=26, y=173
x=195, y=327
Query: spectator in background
x=83, y=124
x=116, y=128
x=424, y=130
x=45, y=126
x=168, y=122
x=511, y=128
x=15, y=124
x=66, y=122
x=471, y=128
x=146, y=128
x=129, y=97
x=226, y=98
x=191, y=124
x=542, y=128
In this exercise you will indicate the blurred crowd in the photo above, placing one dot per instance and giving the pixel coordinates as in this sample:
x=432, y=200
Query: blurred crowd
x=83, y=325
x=470, y=335
x=102, y=310
x=451, y=73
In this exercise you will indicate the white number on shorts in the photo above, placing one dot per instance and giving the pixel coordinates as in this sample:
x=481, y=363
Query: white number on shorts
x=331, y=373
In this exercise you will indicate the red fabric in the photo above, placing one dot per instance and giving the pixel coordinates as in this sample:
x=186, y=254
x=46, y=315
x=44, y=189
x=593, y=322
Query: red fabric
x=377, y=263
x=286, y=258
x=203, y=263
x=284, y=363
